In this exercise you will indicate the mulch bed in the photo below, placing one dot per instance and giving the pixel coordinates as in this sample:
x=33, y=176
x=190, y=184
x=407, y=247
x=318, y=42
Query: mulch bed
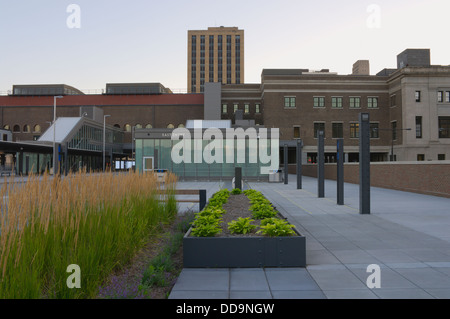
x=123, y=284
x=237, y=206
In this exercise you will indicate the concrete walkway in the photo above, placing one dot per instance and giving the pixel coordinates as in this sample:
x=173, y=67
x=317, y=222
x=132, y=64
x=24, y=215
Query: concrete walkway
x=407, y=235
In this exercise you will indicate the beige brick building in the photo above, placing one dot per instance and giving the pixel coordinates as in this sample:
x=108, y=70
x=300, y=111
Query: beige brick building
x=215, y=55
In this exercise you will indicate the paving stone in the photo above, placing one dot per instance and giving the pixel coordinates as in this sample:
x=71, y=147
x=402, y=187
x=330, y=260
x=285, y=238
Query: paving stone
x=336, y=279
x=248, y=280
x=290, y=279
x=350, y=294
x=406, y=234
x=415, y=293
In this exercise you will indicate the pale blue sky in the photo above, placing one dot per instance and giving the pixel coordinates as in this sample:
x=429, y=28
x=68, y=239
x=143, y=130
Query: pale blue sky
x=145, y=41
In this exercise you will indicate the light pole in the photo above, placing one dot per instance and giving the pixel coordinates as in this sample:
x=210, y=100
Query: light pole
x=132, y=145
x=104, y=139
x=55, y=168
x=392, y=137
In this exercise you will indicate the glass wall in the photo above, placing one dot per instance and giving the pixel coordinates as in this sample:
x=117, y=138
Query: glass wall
x=90, y=138
x=35, y=163
x=205, y=163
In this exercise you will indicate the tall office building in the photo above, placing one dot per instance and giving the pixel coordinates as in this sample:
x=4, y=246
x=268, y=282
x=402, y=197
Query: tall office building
x=215, y=55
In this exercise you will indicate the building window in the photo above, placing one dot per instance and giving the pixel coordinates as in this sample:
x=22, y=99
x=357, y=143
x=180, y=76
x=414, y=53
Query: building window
x=6, y=127
x=257, y=108
x=16, y=128
x=393, y=100
x=444, y=127
x=127, y=128
x=26, y=128
x=289, y=102
x=138, y=126
x=228, y=59
x=247, y=108
x=372, y=102
x=337, y=130
x=394, y=130
x=336, y=102
x=447, y=97
x=355, y=102
x=220, y=58
x=37, y=128
x=224, y=108
x=420, y=157
x=354, y=130
x=374, y=131
x=149, y=126
x=417, y=96
x=440, y=96
x=441, y=157
x=319, y=101
x=296, y=131
x=319, y=127
x=170, y=126
x=418, y=126
x=235, y=107
x=181, y=126
x=237, y=52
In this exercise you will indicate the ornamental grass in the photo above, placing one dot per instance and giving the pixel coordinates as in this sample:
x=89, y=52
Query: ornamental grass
x=95, y=221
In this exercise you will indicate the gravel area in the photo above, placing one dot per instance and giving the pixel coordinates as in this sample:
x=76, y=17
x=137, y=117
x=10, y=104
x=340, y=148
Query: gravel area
x=238, y=206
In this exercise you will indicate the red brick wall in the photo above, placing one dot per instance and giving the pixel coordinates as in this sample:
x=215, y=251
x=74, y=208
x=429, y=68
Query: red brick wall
x=424, y=178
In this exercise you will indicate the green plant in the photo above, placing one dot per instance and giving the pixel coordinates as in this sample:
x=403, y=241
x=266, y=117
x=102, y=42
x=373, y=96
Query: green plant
x=270, y=220
x=207, y=222
x=211, y=211
x=206, y=230
x=260, y=206
x=202, y=220
x=241, y=226
x=261, y=211
x=97, y=222
x=219, y=198
x=250, y=192
x=154, y=277
x=275, y=227
x=160, y=270
x=236, y=191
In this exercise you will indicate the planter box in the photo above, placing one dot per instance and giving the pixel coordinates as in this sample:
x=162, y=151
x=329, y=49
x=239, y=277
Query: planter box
x=244, y=252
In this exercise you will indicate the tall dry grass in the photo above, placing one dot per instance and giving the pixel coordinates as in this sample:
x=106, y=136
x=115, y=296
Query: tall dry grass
x=95, y=221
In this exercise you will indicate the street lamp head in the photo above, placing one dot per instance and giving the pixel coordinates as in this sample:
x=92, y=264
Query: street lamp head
x=58, y=96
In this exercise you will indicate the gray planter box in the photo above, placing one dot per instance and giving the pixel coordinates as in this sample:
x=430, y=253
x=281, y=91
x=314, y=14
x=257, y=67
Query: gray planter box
x=244, y=252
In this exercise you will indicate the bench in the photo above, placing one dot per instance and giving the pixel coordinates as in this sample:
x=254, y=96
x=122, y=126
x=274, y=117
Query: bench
x=201, y=199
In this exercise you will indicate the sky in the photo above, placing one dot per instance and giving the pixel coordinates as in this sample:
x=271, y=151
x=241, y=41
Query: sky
x=115, y=41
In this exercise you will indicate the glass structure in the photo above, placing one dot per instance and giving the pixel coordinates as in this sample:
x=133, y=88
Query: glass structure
x=154, y=152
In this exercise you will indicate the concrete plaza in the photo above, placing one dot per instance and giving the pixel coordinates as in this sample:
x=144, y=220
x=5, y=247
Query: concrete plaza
x=406, y=234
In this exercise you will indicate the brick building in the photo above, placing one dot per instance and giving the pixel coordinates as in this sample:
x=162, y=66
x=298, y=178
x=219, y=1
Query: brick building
x=409, y=108
x=28, y=116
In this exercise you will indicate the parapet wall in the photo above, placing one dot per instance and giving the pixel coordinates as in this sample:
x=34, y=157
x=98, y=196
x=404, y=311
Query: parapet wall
x=430, y=178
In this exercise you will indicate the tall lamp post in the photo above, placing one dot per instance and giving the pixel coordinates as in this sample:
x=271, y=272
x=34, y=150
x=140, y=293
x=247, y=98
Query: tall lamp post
x=104, y=139
x=133, y=132
x=55, y=153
